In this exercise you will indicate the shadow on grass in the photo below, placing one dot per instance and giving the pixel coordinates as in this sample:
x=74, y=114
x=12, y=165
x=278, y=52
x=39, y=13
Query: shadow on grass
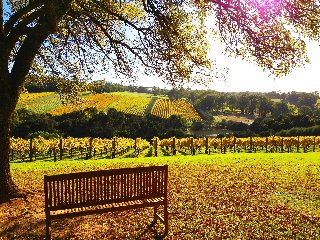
x=149, y=153
x=25, y=229
x=150, y=228
x=183, y=153
x=25, y=219
x=165, y=152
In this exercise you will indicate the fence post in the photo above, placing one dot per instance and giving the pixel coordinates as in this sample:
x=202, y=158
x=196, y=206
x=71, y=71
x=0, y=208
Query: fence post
x=207, y=146
x=30, y=150
x=220, y=144
x=135, y=144
x=113, y=153
x=314, y=144
x=267, y=144
x=155, y=146
x=90, y=147
x=173, y=146
x=60, y=148
x=234, y=144
x=192, y=147
x=54, y=154
x=298, y=144
x=281, y=144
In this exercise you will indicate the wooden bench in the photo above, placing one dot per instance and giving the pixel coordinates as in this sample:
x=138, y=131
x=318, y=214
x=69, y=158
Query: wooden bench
x=84, y=193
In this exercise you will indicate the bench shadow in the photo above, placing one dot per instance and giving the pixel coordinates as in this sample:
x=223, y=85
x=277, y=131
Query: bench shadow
x=150, y=228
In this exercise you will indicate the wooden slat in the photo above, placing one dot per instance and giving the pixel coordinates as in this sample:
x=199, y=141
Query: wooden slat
x=99, y=189
x=135, y=184
x=81, y=184
x=153, y=183
x=121, y=185
x=66, y=195
x=77, y=190
x=49, y=195
x=131, y=185
x=112, y=186
x=58, y=193
x=118, y=186
x=105, y=184
x=108, y=187
x=86, y=192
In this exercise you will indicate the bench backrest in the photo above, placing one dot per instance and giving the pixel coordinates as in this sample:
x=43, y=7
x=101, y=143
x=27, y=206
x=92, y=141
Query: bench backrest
x=75, y=190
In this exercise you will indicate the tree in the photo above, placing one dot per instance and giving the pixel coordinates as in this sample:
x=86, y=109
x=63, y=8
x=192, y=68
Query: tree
x=73, y=39
x=262, y=31
x=232, y=102
x=280, y=108
x=264, y=106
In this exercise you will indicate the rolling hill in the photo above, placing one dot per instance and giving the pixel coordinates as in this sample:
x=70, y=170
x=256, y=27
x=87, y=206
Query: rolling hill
x=138, y=104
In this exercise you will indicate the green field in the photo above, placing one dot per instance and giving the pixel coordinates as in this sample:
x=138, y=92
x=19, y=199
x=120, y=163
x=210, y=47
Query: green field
x=220, y=196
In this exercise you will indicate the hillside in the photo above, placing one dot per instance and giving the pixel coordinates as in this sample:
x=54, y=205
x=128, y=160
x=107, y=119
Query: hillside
x=138, y=104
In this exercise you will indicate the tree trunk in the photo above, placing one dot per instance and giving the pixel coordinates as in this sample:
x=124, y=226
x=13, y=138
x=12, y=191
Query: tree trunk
x=7, y=187
x=12, y=82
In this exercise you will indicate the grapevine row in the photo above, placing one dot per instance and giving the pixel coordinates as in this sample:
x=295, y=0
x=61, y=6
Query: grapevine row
x=233, y=144
x=165, y=108
x=41, y=148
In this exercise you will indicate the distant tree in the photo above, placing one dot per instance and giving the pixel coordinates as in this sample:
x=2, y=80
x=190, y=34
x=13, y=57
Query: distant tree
x=206, y=103
x=25, y=122
x=252, y=103
x=305, y=110
x=279, y=108
x=307, y=99
x=197, y=126
x=243, y=102
x=264, y=106
x=220, y=101
x=232, y=102
x=175, y=122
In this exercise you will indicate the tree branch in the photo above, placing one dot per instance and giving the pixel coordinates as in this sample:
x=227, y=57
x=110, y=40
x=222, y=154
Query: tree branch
x=1, y=18
x=22, y=28
x=17, y=16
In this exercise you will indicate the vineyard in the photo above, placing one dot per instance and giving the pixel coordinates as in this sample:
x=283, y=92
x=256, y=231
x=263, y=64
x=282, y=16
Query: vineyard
x=86, y=148
x=43, y=102
x=78, y=148
x=165, y=108
x=137, y=104
x=132, y=103
x=237, y=145
x=98, y=101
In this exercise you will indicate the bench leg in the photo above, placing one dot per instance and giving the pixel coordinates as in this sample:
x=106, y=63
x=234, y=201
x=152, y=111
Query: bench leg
x=155, y=214
x=166, y=220
x=48, y=228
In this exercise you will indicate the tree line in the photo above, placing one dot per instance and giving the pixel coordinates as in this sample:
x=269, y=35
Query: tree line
x=91, y=123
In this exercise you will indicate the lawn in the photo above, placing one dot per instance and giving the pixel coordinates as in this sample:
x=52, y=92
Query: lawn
x=242, y=196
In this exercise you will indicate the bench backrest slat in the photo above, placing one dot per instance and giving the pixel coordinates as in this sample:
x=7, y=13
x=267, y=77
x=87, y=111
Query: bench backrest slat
x=102, y=187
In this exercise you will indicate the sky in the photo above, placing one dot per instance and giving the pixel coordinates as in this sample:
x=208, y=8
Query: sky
x=244, y=76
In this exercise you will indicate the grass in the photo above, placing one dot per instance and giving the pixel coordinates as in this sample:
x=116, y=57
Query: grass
x=235, y=118
x=220, y=196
